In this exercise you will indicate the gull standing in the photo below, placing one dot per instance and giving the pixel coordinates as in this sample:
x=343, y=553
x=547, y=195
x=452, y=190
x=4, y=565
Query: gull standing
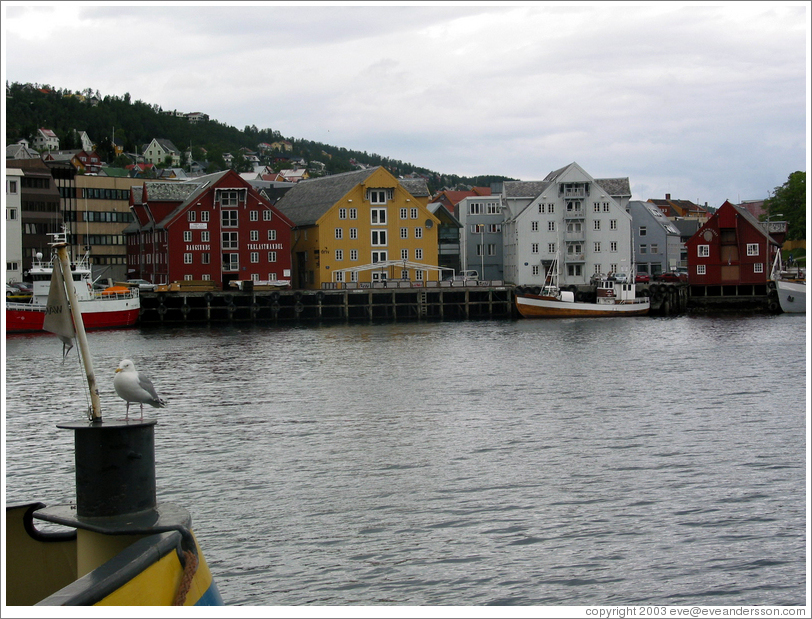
x=134, y=387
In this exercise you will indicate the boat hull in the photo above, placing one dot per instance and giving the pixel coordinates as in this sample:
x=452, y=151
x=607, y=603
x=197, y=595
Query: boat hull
x=42, y=570
x=101, y=315
x=532, y=306
x=792, y=296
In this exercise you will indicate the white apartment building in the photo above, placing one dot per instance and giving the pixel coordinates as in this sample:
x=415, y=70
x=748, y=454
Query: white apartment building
x=14, y=232
x=570, y=217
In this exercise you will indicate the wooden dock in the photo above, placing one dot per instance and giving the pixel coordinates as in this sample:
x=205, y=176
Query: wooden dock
x=391, y=303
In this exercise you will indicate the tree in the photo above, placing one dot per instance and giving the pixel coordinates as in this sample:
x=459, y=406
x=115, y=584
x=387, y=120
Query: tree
x=789, y=204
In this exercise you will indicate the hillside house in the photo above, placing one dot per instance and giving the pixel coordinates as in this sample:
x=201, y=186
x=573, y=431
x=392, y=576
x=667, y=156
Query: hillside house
x=680, y=208
x=45, y=139
x=158, y=150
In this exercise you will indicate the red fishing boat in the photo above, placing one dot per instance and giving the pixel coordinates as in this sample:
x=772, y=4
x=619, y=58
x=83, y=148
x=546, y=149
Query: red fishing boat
x=115, y=306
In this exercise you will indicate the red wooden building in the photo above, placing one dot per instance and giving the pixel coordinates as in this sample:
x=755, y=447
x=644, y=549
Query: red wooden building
x=731, y=249
x=215, y=227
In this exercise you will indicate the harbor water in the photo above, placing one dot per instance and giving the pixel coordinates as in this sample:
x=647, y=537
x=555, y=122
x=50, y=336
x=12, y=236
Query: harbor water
x=656, y=461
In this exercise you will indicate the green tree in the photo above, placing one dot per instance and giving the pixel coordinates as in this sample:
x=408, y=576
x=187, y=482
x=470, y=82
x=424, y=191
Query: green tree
x=789, y=204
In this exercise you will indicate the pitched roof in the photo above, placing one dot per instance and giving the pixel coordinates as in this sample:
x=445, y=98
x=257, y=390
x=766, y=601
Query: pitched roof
x=525, y=189
x=308, y=200
x=615, y=186
x=415, y=186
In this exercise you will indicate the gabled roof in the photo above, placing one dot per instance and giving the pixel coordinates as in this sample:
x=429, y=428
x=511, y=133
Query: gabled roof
x=615, y=186
x=415, y=186
x=308, y=200
x=525, y=189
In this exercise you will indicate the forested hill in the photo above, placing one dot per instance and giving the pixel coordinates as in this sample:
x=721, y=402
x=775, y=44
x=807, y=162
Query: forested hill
x=30, y=107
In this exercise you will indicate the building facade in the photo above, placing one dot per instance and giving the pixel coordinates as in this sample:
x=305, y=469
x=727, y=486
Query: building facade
x=571, y=219
x=731, y=248
x=656, y=239
x=481, y=243
x=351, y=228
x=157, y=151
x=215, y=227
x=14, y=232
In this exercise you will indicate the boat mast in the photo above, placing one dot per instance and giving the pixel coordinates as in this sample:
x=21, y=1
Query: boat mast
x=61, y=246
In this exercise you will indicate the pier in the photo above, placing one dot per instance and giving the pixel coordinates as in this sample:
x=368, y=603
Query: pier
x=392, y=300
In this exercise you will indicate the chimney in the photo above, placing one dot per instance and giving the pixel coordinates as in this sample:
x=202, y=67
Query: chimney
x=668, y=196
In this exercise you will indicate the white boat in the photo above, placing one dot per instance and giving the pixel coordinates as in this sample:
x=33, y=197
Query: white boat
x=791, y=287
x=614, y=297
x=115, y=306
x=792, y=295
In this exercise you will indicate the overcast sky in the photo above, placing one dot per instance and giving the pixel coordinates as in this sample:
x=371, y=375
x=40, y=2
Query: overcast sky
x=704, y=102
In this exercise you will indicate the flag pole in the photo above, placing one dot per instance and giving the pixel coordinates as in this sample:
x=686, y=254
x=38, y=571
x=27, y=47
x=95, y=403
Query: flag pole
x=61, y=247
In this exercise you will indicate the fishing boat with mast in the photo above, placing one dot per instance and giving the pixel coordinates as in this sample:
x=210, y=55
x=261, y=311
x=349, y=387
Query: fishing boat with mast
x=112, y=307
x=614, y=296
x=119, y=546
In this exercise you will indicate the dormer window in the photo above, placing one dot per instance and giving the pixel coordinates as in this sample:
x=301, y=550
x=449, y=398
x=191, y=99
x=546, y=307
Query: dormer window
x=230, y=197
x=380, y=196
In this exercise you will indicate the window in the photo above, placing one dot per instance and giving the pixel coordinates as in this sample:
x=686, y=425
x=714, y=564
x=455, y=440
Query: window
x=378, y=256
x=339, y=276
x=598, y=269
x=231, y=262
x=205, y=258
x=574, y=270
x=551, y=226
x=228, y=198
x=541, y=208
x=644, y=249
x=613, y=224
x=187, y=236
x=597, y=246
x=254, y=257
x=491, y=249
x=339, y=255
x=494, y=228
x=758, y=267
x=596, y=225
x=12, y=187
x=229, y=219
x=253, y=235
x=535, y=269
x=534, y=248
x=418, y=254
x=642, y=231
x=378, y=237
x=596, y=207
x=551, y=248
x=700, y=269
x=404, y=213
x=493, y=208
x=271, y=256
x=418, y=233
x=353, y=254
x=703, y=251
x=534, y=226
x=413, y=213
x=187, y=258
x=191, y=216
x=267, y=214
x=204, y=215
x=353, y=213
x=253, y=215
x=339, y=232
x=613, y=246
x=752, y=249
x=378, y=216
x=271, y=235
x=342, y=213
x=380, y=196
x=605, y=207
x=654, y=248
x=230, y=240
x=474, y=208
x=404, y=233
x=353, y=233
x=404, y=254
x=205, y=236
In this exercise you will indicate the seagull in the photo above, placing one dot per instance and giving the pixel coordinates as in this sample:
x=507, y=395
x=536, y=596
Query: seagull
x=134, y=387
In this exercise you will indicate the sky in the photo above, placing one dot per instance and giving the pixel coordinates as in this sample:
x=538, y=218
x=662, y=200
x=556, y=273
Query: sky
x=705, y=102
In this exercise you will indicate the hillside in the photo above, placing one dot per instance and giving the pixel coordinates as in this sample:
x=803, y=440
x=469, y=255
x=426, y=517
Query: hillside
x=29, y=107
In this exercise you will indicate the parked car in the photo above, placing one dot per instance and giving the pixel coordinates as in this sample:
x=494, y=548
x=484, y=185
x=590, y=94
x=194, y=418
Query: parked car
x=23, y=287
x=670, y=276
x=623, y=278
x=142, y=284
x=642, y=278
x=12, y=290
x=463, y=276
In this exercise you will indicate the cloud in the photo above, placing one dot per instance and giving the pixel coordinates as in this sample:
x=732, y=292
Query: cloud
x=703, y=97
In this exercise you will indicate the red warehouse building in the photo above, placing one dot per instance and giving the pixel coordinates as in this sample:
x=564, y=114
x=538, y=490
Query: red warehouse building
x=215, y=227
x=732, y=250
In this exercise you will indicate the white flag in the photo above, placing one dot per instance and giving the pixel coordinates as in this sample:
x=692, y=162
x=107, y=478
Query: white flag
x=58, y=319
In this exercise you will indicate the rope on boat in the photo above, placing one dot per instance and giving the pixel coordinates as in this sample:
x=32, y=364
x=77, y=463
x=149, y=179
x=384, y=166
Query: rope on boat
x=189, y=570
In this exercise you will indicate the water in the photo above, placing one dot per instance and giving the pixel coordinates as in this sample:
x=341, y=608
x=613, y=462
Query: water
x=566, y=462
